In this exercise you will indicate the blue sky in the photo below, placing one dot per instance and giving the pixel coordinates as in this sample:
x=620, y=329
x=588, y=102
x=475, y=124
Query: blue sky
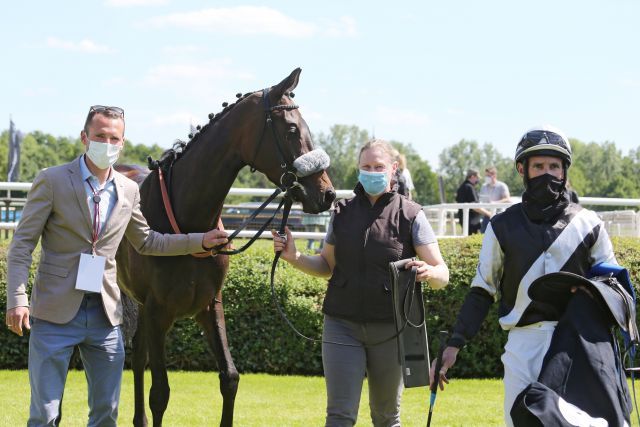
x=421, y=72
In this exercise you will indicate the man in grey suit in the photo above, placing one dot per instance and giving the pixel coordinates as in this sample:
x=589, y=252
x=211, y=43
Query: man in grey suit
x=81, y=211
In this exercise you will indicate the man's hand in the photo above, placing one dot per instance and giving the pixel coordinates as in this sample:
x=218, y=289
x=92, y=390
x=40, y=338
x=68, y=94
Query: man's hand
x=448, y=360
x=16, y=318
x=214, y=238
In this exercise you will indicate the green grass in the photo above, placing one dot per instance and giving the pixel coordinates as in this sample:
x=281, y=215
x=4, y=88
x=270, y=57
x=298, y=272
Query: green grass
x=263, y=400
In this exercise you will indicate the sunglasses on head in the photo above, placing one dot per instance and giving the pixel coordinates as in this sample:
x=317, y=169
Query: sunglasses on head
x=534, y=138
x=103, y=109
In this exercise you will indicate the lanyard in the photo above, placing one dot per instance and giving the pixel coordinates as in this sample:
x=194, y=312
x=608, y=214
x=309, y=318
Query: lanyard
x=95, y=232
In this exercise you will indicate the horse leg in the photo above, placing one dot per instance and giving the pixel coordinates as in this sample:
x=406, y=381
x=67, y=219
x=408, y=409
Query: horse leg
x=139, y=363
x=212, y=322
x=157, y=320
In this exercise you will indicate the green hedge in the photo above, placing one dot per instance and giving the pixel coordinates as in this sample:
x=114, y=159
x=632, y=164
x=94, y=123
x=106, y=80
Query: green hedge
x=261, y=342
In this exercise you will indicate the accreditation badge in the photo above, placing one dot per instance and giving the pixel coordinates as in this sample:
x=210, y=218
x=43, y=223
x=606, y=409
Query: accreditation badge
x=90, y=272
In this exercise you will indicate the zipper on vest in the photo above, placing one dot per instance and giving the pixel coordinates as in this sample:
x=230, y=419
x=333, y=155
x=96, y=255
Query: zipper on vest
x=366, y=237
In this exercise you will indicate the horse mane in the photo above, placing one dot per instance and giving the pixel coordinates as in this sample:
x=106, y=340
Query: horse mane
x=173, y=154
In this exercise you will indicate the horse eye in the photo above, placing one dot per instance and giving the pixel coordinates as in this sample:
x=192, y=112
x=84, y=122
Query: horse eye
x=293, y=129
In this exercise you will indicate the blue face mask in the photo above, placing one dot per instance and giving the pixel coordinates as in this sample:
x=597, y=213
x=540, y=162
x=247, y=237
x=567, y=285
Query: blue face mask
x=374, y=183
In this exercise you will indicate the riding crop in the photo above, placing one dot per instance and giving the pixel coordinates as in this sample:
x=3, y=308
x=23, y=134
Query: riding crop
x=436, y=375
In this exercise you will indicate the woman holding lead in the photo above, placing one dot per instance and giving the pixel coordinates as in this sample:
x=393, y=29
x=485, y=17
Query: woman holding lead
x=366, y=233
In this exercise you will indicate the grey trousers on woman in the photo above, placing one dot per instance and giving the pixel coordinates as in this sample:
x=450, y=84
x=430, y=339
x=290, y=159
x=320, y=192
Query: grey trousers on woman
x=345, y=368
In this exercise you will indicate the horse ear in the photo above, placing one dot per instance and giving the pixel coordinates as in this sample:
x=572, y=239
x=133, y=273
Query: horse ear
x=287, y=85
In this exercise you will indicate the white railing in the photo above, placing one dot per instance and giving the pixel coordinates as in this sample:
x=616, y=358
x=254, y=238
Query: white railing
x=442, y=216
x=264, y=192
x=446, y=215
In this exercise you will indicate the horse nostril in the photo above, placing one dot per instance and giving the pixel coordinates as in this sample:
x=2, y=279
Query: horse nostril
x=329, y=196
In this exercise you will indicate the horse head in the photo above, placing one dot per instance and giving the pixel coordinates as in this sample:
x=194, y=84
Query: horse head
x=284, y=151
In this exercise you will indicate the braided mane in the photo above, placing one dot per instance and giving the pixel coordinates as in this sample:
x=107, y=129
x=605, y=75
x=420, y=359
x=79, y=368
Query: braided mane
x=171, y=155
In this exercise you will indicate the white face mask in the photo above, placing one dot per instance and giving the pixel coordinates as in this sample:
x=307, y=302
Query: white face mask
x=103, y=154
x=487, y=180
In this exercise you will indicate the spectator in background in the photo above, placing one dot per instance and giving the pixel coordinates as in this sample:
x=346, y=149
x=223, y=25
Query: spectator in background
x=493, y=191
x=406, y=175
x=467, y=194
x=398, y=178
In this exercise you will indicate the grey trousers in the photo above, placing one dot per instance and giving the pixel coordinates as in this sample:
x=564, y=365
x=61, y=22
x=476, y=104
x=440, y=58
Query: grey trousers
x=345, y=368
x=102, y=352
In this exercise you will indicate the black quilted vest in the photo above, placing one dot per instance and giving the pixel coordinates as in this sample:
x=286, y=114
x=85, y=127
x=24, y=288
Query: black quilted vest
x=367, y=238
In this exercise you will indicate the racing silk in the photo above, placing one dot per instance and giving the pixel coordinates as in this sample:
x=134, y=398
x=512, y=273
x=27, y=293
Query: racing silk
x=515, y=251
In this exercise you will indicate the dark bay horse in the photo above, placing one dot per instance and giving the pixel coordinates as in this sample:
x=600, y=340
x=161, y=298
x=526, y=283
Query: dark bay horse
x=199, y=176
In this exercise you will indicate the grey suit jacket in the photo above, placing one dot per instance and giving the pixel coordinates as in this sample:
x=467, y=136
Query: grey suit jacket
x=57, y=211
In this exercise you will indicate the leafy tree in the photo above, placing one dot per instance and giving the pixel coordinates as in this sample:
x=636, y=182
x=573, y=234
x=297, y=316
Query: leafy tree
x=138, y=153
x=468, y=154
x=601, y=164
x=342, y=144
x=598, y=170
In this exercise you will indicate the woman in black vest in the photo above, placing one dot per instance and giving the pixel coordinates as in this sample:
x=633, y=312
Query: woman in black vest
x=367, y=232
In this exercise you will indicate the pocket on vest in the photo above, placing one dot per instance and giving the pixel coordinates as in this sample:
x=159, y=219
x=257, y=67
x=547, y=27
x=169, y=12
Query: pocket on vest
x=338, y=281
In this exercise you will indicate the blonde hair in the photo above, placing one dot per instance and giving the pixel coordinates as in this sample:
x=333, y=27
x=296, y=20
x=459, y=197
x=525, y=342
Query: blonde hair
x=402, y=161
x=381, y=144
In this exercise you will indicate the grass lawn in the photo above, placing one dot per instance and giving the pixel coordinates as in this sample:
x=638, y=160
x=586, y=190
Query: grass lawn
x=263, y=400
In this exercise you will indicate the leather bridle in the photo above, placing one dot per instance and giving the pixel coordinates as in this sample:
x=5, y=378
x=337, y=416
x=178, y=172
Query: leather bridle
x=288, y=180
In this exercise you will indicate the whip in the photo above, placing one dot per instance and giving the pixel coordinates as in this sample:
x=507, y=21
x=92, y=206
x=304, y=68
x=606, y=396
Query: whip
x=436, y=375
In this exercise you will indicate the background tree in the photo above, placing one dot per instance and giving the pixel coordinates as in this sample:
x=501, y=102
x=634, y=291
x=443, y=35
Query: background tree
x=137, y=153
x=342, y=144
x=466, y=154
x=598, y=169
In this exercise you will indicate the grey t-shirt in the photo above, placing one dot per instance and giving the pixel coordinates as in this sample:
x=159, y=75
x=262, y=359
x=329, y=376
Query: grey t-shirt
x=421, y=231
x=493, y=193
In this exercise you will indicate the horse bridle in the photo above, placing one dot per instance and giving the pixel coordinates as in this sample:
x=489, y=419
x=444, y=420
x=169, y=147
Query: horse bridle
x=288, y=180
x=288, y=170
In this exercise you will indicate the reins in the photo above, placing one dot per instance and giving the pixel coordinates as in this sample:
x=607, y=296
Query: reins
x=409, y=296
x=218, y=249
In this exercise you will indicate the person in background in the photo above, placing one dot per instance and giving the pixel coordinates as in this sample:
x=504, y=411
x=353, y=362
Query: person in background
x=80, y=211
x=467, y=194
x=406, y=174
x=399, y=179
x=365, y=234
x=403, y=176
x=546, y=233
x=492, y=191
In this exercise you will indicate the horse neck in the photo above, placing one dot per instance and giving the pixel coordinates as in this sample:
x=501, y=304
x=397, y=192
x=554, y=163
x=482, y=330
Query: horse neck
x=202, y=177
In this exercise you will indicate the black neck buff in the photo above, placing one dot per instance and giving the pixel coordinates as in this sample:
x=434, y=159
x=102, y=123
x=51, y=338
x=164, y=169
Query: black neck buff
x=544, y=198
